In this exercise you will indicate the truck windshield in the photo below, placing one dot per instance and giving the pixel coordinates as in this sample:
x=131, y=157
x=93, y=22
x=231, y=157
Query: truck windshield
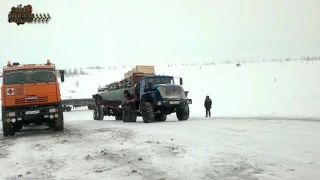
x=160, y=80
x=29, y=76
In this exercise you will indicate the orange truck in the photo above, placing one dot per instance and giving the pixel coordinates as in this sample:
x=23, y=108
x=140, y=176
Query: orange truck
x=30, y=95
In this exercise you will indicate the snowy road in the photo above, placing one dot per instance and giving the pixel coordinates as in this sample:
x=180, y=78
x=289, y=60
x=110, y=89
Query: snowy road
x=196, y=149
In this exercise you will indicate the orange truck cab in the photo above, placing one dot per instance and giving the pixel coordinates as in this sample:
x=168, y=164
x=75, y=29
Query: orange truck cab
x=30, y=95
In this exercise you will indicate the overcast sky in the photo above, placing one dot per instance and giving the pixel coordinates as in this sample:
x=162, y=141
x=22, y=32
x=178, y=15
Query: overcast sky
x=142, y=31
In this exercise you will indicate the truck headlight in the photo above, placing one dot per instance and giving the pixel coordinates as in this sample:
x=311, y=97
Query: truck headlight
x=53, y=110
x=11, y=114
x=159, y=103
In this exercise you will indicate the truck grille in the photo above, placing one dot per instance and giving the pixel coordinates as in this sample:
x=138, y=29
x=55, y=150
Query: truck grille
x=172, y=92
x=31, y=101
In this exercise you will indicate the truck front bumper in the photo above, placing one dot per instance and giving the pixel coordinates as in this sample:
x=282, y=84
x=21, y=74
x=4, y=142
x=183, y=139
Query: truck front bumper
x=172, y=102
x=12, y=116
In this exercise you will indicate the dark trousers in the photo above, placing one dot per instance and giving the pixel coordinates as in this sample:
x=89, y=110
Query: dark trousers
x=208, y=112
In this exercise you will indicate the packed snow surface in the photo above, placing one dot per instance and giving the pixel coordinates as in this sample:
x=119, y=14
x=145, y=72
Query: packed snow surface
x=199, y=148
x=264, y=126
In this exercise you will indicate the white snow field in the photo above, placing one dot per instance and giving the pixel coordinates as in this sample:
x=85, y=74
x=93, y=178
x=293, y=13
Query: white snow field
x=264, y=126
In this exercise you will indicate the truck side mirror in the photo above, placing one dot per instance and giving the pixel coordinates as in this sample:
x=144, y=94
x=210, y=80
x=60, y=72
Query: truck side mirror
x=186, y=92
x=62, y=75
x=181, y=82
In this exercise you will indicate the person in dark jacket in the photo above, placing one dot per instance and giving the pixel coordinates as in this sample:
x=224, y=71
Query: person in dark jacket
x=207, y=105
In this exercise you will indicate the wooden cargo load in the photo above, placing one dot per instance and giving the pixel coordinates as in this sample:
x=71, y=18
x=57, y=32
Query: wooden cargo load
x=144, y=69
x=140, y=69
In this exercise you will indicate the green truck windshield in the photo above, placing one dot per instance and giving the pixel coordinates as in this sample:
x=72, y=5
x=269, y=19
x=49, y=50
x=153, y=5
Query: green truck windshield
x=29, y=76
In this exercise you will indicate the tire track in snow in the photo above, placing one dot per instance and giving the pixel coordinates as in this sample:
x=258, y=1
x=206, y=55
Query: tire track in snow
x=31, y=155
x=117, y=148
x=76, y=154
x=4, y=145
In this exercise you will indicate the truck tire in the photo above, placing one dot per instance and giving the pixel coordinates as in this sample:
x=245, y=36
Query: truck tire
x=58, y=124
x=98, y=113
x=125, y=114
x=129, y=114
x=8, y=129
x=160, y=117
x=91, y=107
x=68, y=108
x=147, y=112
x=132, y=115
x=119, y=116
x=183, y=114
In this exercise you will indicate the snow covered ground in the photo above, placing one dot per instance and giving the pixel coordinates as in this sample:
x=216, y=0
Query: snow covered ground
x=251, y=136
x=196, y=149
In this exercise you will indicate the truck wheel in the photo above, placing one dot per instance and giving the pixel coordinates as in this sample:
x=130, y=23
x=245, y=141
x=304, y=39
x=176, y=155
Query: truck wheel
x=160, y=117
x=119, y=116
x=95, y=113
x=132, y=115
x=7, y=129
x=147, y=112
x=183, y=114
x=91, y=107
x=68, y=108
x=125, y=114
x=98, y=113
x=129, y=114
x=58, y=124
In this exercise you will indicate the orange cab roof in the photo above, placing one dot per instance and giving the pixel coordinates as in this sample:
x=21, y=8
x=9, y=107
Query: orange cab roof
x=28, y=66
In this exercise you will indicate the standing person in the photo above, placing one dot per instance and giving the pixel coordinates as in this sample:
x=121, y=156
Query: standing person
x=207, y=105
